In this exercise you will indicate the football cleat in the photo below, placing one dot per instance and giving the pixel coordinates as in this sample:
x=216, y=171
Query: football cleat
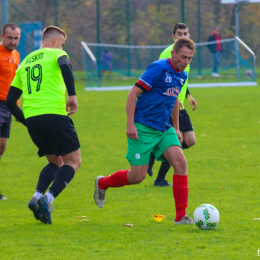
x=99, y=195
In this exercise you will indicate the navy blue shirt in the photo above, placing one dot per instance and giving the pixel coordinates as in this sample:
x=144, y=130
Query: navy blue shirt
x=161, y=84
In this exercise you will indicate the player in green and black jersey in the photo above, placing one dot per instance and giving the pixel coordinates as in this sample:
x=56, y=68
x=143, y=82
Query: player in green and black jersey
x=42, y=78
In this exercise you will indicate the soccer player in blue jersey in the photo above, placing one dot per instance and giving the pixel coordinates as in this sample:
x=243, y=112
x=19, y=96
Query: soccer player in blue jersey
x=150, y=103
x=186, y=128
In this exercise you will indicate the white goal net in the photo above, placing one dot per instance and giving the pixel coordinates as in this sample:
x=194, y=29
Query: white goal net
x=112, y=66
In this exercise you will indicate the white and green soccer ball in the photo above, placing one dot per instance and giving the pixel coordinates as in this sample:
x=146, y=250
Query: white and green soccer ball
x=206, y=216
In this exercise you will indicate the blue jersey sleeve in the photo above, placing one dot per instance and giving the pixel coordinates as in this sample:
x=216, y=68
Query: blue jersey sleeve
x=150, y=76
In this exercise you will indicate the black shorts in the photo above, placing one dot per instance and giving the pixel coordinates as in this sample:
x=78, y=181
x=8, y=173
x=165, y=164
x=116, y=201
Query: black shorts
x=184, y=121
x=53, y=134
x=5, y=120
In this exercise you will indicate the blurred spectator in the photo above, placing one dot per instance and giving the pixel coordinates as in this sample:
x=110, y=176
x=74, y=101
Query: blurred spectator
x=106, y=62
x=216, y=50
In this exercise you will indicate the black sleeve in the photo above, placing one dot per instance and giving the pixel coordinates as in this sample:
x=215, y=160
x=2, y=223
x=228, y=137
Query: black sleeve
x=12, y=97
x=141, y=87
x=187, y=92
x=67, y=74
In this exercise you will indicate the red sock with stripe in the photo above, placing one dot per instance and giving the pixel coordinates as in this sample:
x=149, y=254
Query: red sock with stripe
x=117, y=179
x=180, y=194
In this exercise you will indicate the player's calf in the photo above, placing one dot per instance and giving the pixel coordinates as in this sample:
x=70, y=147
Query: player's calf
x=137, y=174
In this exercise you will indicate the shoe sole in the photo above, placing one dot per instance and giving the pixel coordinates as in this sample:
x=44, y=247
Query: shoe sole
x=188, y=222
x=179, y=223
x=158, y=185
x=162, y=185
x=46, y=215
x=34, y=208
x=96, y=191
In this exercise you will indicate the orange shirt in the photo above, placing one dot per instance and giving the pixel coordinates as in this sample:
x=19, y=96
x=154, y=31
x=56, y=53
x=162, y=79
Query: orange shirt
x=9, y=61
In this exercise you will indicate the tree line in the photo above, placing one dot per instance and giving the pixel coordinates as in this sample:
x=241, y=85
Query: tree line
x=150, y=21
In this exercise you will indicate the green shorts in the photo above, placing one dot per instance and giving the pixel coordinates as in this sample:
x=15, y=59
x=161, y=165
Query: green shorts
x=150, y=140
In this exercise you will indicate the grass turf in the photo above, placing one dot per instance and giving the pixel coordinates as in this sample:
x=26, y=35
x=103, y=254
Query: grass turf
x=223, y=170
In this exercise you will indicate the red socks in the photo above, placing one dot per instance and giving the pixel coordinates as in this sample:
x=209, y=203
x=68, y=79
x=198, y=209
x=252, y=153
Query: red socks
x=180, y=189
x=117, y=179
x=180, y=194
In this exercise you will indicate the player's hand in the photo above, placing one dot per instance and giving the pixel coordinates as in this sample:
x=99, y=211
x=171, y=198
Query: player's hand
x=193, y=102
x=71, y=105
x=17, y=120
x=180, y=105
x=178, y=134
x=131, y=131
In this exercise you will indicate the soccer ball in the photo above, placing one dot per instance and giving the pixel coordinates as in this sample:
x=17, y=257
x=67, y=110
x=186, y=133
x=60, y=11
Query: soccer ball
x=249, y=73
x=206, y=216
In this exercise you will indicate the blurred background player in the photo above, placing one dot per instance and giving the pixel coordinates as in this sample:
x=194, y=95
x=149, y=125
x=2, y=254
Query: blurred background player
x=188, y=136
x=216, y=50
x=42, y=78
x=106, y=62
x=9, y=61
x=150, y=103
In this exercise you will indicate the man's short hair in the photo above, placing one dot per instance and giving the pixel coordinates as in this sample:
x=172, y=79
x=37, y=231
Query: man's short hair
x=181, y=26
x=53, y=29
x=12, y=26
x=184, y=42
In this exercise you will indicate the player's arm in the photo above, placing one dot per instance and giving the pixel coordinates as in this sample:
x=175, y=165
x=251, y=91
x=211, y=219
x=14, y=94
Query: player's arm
x=67, y=74
x=143, y=84
x=193, y=102
x=187, y=92
x=175, y=118
x=131, y=130
x=11, y=102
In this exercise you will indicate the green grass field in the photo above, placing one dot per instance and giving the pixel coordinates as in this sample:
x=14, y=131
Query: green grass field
x=223, y=170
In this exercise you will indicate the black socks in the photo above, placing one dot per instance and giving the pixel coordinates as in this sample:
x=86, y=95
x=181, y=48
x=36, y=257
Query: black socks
x=184, y=145
x=46, y=177
x=152, y=160
x=61, y=180
x=165, y=166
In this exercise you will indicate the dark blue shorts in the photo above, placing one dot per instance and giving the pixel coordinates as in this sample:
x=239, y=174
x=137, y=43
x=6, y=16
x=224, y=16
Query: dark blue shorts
x=5, y=120
x=53, y=134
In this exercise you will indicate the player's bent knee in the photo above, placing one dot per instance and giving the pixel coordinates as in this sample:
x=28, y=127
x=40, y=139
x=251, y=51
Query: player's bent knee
x=140, y=178
x=192, y=142
x=136, y=176
x=73, y=159
x=180, y=164
x=78, y=164
x=75, y=163
x=136, y=180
